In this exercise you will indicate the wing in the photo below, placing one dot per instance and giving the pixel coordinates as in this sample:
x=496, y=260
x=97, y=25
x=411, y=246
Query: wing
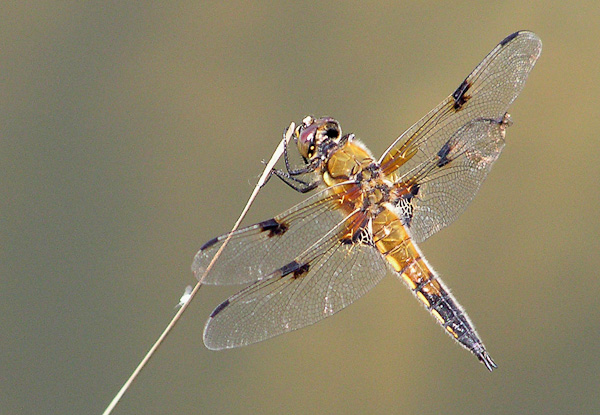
x=254, y=252
x=330, y=275
x=448, y=153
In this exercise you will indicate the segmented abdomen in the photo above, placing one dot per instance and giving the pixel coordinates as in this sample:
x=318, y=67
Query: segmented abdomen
x=393, y=241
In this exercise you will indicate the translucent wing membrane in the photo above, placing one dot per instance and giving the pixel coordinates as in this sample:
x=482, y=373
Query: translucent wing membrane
x=320, y=256
x=328, y=276
x=447, y=183
x=449, y=152
x=256, y=251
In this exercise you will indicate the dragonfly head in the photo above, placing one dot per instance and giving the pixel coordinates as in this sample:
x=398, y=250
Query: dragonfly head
x=313, y=132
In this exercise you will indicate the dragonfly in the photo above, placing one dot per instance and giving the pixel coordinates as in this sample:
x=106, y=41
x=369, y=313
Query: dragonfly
x=367, y=215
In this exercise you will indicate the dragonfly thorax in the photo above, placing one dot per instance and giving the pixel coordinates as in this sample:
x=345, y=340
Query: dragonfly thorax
x=374, y=188
x=350, y=168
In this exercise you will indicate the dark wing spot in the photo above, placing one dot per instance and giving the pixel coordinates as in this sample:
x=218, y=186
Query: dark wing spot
x=443, y=154
x=348, y=240
x=219, y=308
x=414, y=190
x=294, y=267
x=405, y=203
x=289, y=268
x=460, y=97
x=209, y=244
x=301, y=271
x=509, y=38
x=361, y=236
x=273, y=227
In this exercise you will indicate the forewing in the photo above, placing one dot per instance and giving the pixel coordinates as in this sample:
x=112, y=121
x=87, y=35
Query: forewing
x=254, y=252
x=449, y=152
x=329, y=276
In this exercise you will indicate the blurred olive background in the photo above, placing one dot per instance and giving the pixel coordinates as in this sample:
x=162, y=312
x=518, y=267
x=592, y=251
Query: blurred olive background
x=131, y=133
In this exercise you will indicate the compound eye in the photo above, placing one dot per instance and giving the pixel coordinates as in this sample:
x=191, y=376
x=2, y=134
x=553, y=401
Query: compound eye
x=306, y=141
x=332, y=130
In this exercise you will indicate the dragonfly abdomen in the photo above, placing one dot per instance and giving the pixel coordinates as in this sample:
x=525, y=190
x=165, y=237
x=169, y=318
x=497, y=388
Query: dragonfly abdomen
x=432, y=292
x=394, y=242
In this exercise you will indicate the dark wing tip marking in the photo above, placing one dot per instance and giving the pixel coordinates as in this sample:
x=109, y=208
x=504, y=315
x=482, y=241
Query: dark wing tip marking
x=510, y=37
x=219, y=308
x=274, y=227
x=460, y=97
x=209, y=244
